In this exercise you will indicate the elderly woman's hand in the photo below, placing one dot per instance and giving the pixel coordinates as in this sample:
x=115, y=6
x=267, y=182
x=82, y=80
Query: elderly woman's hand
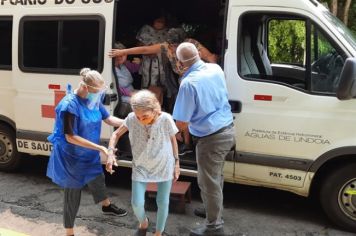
x=116, y=53
x=110, y=163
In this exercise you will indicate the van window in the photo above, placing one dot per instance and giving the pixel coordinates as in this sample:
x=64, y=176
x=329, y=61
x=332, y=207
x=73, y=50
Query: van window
x=61, y=45
x=326, y=63
x=289, y=47
x=289, y=50
x=5, y=43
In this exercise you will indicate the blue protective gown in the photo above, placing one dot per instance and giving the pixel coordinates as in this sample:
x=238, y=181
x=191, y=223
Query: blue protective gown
x=72, y=166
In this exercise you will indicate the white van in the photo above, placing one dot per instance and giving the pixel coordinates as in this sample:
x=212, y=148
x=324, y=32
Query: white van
x=294, y=110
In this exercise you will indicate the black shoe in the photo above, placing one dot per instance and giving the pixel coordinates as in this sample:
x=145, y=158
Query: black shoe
x=204, y=230
x=185, y=149
x=200, y=211
x=113, y=210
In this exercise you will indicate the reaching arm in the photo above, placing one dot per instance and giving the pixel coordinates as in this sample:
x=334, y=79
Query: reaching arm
x=72, y=138
x=116, y=136
x=77, y=140
x=113, y=121
x=152, y=49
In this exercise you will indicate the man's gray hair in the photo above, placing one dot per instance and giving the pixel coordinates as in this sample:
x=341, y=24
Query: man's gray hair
x=187, y=52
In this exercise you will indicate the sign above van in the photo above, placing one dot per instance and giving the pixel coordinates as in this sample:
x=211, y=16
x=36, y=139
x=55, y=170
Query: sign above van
x=45, y=2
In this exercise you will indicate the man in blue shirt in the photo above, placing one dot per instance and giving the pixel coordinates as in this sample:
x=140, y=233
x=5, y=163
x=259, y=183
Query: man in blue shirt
x=202, y=105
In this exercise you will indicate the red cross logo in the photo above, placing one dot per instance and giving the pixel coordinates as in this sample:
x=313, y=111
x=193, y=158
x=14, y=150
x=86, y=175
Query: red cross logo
x=48, y=111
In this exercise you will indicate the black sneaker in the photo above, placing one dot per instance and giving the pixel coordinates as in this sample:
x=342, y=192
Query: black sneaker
x=113, y=210
x=185, y=149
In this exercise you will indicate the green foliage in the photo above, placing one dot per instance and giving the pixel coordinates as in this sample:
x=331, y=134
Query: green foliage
x=352, y=14
x=352, y=18
x=286, y=41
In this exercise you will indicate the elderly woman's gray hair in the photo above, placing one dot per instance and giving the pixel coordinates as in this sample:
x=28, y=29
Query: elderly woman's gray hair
x=91, y=77
x=187, y=52
x=145, y=100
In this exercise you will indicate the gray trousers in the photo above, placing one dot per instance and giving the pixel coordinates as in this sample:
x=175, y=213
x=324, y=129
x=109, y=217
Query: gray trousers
x=211, y=152
x=72, y=199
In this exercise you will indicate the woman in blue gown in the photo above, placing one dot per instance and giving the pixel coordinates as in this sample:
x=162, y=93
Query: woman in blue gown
x=75, y=160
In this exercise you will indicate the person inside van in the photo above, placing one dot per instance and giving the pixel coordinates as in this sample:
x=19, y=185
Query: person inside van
x=168, y=49
x=153, y=75
x=123, y=69
x=75, y=161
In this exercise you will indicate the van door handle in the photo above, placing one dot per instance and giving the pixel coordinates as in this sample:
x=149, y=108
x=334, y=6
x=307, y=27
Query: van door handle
x=236, y=106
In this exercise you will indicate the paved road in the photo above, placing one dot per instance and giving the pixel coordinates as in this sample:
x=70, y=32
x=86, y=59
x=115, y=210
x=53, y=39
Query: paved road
x=31, y=204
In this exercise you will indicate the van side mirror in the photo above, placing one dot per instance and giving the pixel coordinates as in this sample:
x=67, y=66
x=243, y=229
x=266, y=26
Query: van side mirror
x=347, y=84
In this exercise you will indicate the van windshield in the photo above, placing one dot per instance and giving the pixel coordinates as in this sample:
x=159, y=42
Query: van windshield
x=342, y=28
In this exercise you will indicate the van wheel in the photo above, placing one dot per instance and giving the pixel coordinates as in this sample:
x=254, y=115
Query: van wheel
x=338, y=196
x=9, y=157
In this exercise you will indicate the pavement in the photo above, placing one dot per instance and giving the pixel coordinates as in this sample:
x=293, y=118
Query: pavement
x=30, y=204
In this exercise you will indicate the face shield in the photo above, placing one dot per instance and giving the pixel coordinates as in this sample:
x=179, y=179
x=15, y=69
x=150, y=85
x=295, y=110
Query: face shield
x=95, y=95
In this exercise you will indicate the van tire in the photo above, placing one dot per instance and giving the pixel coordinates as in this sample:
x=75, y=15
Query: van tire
x=338, y=196
x=10, y=158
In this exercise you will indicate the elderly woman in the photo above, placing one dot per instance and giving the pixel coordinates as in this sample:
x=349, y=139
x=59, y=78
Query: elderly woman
x=75, y=161
x=155, y=156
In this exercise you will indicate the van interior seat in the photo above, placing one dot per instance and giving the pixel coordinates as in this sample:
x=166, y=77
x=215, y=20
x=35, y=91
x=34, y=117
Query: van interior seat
x=259, y=50
x=266, y=64
x=248, y=65
x=262, y=53
x=254, y=59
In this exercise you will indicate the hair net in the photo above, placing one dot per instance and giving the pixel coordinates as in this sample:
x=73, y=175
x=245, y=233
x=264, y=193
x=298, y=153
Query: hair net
x=89, y=79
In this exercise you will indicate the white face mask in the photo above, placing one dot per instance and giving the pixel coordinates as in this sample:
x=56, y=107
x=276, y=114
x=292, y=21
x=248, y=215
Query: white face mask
x=190, y=59
x=94, y=100
x=92, y=96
